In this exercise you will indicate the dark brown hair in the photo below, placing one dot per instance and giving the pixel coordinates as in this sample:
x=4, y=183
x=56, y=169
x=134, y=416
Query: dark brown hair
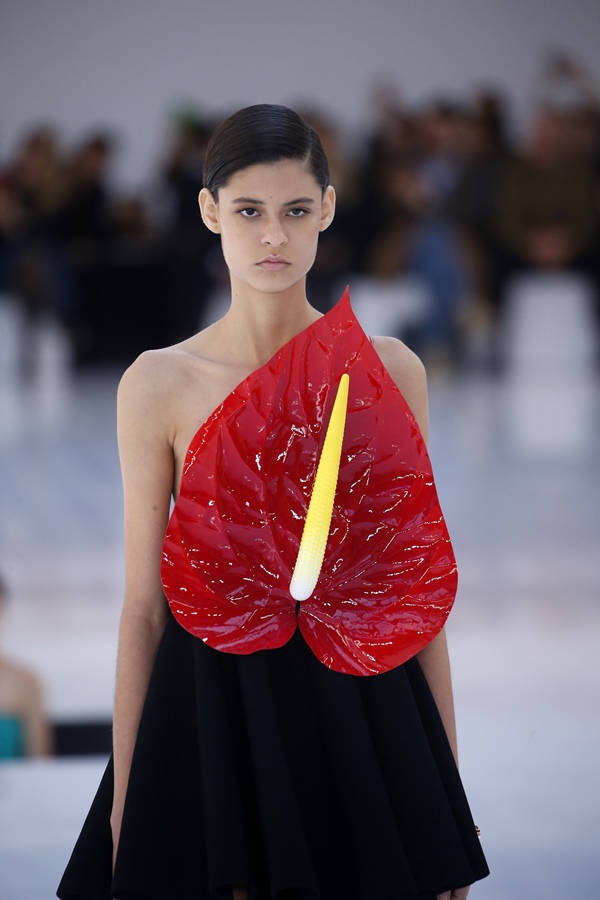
x=264, y=133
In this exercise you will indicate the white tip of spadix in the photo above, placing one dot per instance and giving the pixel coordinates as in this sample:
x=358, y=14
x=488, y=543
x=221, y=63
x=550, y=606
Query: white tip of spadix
x=300, y=589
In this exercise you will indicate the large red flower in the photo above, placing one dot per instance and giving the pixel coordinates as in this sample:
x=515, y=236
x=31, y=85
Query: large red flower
x=388, y=579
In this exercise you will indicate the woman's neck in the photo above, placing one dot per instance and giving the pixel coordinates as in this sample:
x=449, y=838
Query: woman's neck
x=258, y=324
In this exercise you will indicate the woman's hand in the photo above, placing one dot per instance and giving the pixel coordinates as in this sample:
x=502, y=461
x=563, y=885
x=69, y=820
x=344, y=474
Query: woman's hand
x=456, y=894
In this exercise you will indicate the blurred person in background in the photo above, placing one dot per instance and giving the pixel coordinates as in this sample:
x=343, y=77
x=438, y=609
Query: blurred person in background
x=547, y=216
x=382, y=210
x=32, y=190
x=24, y=727
x=472, y=203
x=413, y=170
x=567, y=84
x=192, y=263
x=436, y=255
x=336, y=251
x=83, y=228
x=136, y=302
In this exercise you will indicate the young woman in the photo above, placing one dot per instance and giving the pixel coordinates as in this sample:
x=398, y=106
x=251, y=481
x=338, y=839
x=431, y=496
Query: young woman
x=253, y=758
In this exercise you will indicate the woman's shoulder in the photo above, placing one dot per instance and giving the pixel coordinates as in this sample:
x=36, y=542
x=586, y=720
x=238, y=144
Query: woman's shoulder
x=408, y=373
x=164, y=362
x=20, y=684
x=163, y=372
x=153, y=390
x=401, y=362
x=172, y=390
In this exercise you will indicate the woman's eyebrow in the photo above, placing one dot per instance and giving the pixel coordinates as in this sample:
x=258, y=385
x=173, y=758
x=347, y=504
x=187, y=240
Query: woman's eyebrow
x=254, y=202
x=299, y=200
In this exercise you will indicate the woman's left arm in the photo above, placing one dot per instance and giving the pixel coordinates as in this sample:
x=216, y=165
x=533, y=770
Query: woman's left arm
x=435, y=664
x=408, y=373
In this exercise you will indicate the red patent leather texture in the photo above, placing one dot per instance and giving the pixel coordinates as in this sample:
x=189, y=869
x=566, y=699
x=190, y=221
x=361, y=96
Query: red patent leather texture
x=389, y=576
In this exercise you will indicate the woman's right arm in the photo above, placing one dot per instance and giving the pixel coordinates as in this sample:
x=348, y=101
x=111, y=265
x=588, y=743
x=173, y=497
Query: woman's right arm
x=145, y=451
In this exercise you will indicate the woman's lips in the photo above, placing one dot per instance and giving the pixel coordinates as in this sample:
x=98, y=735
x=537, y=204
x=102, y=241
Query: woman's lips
x=274, y=263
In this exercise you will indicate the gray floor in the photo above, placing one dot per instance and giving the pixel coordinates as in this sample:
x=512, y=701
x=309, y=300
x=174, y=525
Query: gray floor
x=516, y=461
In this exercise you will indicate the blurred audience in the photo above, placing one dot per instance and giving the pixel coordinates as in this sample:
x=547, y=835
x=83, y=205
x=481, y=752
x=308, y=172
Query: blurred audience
x=192, y=264
x=32, y=191
x=336, y=244
x=472, y=204
x=81, y=230
x=24, y=727
x=546, y=215
x=439, y=193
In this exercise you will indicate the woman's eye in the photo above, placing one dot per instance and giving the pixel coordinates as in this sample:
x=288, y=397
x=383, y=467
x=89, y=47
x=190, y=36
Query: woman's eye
x=249, y=212
x=297, y=212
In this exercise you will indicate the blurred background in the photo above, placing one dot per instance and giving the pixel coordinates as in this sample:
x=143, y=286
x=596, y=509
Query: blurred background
x=464, y=144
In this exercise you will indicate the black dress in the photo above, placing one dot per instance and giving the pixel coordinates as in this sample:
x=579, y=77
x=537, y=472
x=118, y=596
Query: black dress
x=274, y=772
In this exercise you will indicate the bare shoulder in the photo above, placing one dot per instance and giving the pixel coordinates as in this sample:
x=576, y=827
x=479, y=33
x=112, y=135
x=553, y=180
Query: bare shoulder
x=408, y=373
x=153, y=375
x=22, y=684
x=166, y=394
x=153, y=388
x=404, y=366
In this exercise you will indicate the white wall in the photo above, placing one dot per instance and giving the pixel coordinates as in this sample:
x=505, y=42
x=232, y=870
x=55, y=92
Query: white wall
x=80, y=63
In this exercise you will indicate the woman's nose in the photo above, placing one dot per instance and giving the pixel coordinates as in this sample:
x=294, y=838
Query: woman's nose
x=274, y=234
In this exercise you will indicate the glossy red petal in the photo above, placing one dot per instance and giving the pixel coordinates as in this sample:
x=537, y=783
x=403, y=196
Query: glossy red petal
x=389, y=577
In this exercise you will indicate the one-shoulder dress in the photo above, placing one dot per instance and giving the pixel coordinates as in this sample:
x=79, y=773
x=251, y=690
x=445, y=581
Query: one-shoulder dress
x=294, y=748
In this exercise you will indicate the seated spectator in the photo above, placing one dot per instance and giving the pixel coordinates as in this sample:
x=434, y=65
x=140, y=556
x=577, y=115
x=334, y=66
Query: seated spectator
x=473, y=201
x=32, y=189
x=83, y=228
x=410, y=227
x=546, y=216
x=137, y=298
x=336, y=251
x=24, y=728
x=193, y=263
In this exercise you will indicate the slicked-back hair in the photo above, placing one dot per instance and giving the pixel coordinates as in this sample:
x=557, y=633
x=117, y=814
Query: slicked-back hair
x=264, y=133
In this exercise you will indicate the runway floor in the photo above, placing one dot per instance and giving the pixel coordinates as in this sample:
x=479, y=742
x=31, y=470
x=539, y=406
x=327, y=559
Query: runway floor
x=517, y=466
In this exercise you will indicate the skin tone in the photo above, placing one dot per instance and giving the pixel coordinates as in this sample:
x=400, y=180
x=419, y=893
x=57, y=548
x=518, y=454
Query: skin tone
x=269, y=218
x=21, y=695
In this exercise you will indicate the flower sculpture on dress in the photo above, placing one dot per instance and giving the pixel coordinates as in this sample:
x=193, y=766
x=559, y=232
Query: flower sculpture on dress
x=388, y=575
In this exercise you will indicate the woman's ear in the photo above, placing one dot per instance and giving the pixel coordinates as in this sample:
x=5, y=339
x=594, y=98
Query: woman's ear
x=327, y=208
x=209, y=210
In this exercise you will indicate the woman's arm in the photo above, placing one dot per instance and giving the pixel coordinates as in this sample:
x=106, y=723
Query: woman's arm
x=435, y=664
x=38, y=734
x=408, y=373
x=145, y=450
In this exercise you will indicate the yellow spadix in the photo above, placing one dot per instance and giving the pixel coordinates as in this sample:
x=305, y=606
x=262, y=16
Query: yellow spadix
x=320, y=509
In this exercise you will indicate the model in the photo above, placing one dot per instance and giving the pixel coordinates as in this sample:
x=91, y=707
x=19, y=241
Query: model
x=283, y=723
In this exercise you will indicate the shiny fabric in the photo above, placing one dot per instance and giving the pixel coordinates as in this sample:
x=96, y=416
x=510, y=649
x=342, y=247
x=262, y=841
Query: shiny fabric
x=389, y=575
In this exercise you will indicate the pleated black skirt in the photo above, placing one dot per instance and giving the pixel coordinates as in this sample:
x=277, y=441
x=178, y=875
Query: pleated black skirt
x=272, y=771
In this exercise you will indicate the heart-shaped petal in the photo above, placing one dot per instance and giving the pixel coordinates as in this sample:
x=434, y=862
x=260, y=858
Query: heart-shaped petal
x=388, y=578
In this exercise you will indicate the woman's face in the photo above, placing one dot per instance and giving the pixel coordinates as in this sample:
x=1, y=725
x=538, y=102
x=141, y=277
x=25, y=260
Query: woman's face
x=269, y=217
